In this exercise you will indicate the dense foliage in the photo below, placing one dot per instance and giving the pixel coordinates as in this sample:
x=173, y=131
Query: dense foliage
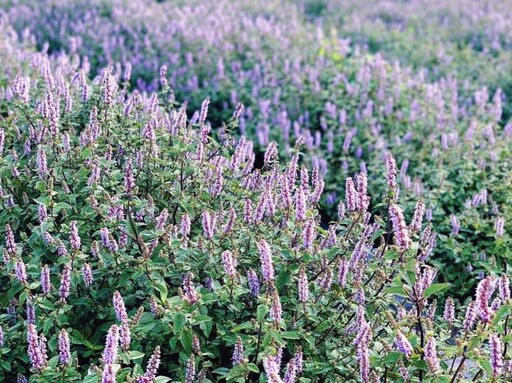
x=301, y=81
x=350, y=223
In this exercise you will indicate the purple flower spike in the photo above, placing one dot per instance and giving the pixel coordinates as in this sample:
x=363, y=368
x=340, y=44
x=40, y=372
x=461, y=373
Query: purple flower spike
x=267, y=267
x=64, y=347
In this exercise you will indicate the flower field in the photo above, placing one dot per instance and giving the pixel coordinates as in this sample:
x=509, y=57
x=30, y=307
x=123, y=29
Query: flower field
x=255, y=191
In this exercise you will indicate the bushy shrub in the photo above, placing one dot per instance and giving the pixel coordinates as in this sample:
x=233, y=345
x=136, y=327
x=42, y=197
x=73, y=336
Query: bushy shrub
x=299, y=83
x=141, y=245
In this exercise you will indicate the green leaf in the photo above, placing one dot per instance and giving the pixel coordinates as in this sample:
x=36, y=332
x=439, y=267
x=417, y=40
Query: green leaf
x=502, y=312
x=290, y=335
x=162, y=379
x=243, y=326
x=186, y=339
x=135, y=355
x=179, y=322
x=283, y=279
x=391, y=358
x=261, y=312
x=252, y=367
x=396, y=290
x=435, y=288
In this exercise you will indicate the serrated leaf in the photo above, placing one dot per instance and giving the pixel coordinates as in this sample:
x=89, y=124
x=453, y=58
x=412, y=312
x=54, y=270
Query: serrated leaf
x=179, y=322
x=186, y=339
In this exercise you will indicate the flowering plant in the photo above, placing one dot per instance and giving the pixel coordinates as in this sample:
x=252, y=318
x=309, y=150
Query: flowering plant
x=140, y=245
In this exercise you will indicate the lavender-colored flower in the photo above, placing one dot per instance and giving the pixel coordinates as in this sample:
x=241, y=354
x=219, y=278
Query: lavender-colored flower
x=34, y=349
x=496, y=304
x=129, y=179
x=74, y=237
x=362, y=200
x=31, y=311
x=10, y=243
x=271, y=369
x=119, y=307
x=326, y=281
x=95, y=175
x=108, y=83
x=350, y=194
x=190, y=370
x=230, y=263
x=303, y=287
x=152, y=367
x=42, y=167
x=188, y=288
x=291, y=372
x=111, y=345
x=87, y=274
x=483, y=294
x=449, y=311
x=20, y=270
x=62, y=251
x=363, y=352
x=209, y=222
x=125, y=337
x=41, y=211
x=161, y=219
x=391, y=172
x=431, y=356
x=153, y=307
x=64, y=347
x=418, y=216
x=267, y=267
x=341, y=211
x=276, y=311
x=65, y=283
x=247, y=211
x=196, y=345
x=343, y=272
x=403, y=345
x=231, y=221
x=109, y=374
x=185, y=226
x=499, y=226
x=270, y=154
x=43, y=346
x=308, y=234
x=403, y=371
x=496, y=348
x=300, y=204
x=402, y=238
x=204, y=111
x=238, y=352
x=253, y=282
x=471, y=314
x=238, y=111
x=504, y=288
